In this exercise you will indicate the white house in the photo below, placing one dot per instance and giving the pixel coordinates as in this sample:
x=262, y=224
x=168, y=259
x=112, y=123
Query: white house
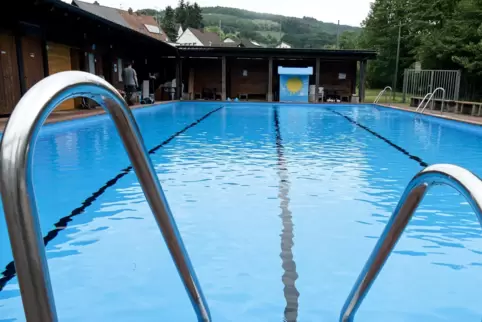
x=229, y=40
x=196, y=37
x=283, y=45
x=179, y=31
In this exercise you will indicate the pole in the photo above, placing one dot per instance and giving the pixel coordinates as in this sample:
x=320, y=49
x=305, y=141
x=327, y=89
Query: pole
x=395, y=77
x=280, y=31
x=338, y=35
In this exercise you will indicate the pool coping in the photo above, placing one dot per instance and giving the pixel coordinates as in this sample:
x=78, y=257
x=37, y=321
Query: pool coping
x=462, y=118
x=70, y=115
x=64, y=116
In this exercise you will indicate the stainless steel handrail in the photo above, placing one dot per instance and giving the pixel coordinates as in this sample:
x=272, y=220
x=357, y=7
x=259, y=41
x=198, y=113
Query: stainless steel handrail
x=16, y=158
x=423, y=100
x=377, y=99
x=431, y=97
x=469, y=185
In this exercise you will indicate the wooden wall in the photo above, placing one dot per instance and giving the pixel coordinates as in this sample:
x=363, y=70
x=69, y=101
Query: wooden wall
x=253, y=82
x=329, y=76
x=32, y=60
x=207, y=74
x=9, y=78
x=59, y=58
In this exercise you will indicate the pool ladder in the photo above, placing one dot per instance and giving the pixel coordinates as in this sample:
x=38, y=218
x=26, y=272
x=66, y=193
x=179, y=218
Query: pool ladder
x=469, y=185
x=429, y=97
x=16, y=158
x=381, y=94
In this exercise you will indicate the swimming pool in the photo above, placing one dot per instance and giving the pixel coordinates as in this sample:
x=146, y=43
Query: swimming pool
x=279, y=207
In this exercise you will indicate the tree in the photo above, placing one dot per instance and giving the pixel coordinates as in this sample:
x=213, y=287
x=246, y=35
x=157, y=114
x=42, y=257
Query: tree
x=349, y=40
x=381, y=34
x=181, y=14
x=193, y=16
x=168, y=24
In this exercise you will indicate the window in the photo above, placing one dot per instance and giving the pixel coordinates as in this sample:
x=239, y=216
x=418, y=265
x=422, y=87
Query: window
x=120, y=68
x=153, y=29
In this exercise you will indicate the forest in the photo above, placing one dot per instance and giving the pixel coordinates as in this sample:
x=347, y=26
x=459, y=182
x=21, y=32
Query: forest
x=264, y=28
x=440, y=34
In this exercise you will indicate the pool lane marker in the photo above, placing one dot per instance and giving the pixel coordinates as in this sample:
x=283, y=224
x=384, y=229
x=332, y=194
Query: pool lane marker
x=289, y=266
x=60, y=225
x=399, y=148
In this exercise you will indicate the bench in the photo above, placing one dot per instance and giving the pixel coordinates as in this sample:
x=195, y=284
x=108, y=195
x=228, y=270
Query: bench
x=458, y=107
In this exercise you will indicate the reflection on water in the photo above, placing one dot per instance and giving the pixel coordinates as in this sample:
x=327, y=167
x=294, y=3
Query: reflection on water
x=336, y=183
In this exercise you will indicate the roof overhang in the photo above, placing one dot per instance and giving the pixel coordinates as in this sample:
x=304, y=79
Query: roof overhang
x=71, y=9
x=328, y=54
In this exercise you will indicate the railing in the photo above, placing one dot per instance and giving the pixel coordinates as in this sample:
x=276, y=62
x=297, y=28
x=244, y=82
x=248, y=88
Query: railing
x=423, y=100
x=16, y=158
x=431, y=98
x=382, y=92
x=469, y=185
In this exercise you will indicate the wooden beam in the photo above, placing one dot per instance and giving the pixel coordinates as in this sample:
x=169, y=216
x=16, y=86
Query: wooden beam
x=190, y=89
x=361, y=85
x=20, y=62
x=178, y=79
x=270, y=79
x=317, y=79
x=223, y=78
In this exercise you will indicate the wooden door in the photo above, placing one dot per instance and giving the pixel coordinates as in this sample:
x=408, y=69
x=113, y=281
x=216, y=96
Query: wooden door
x=32, y=61
x=9, y=80
x=59, y=61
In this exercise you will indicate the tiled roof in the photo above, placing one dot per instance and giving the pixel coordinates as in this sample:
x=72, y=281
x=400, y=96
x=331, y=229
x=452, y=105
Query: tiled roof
x=243, y=42
x=139, y=22
x=123, y=18
x=206, y=38
x=102, y=11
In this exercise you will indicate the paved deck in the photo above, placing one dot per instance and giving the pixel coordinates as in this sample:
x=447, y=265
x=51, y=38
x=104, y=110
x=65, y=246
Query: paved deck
x=477, y=120
x=61, y=116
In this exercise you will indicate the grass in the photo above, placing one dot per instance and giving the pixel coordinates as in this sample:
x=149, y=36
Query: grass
x=371, y=94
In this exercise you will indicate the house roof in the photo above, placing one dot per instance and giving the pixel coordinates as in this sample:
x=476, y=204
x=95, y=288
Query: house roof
x=122, y=27
x=206, y=38
x=259, y=52
x=139, y=22
x=123, y=18
x=107, y=13
x=243, y=42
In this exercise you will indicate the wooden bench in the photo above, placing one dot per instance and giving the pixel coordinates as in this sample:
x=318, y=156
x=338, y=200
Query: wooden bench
x=459, y=107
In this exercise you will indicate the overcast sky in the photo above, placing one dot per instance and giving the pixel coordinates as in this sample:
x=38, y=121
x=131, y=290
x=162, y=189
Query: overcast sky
x=349, y=12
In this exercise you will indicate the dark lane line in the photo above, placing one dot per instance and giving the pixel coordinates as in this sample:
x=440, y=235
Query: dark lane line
x=289, y=266
x=60, y=225
x=399, y=148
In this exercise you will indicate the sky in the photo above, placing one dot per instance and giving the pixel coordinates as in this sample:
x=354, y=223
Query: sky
x=349, y=12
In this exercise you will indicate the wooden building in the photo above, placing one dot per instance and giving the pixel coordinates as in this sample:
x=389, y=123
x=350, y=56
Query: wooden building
x=251, y=73
x=42, y=37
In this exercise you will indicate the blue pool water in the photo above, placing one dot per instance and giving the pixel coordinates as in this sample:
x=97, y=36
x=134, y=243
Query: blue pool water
x=279, y=207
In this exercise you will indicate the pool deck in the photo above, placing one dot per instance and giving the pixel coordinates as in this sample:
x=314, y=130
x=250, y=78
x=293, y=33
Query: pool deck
x=477, y=120
x=61, y=116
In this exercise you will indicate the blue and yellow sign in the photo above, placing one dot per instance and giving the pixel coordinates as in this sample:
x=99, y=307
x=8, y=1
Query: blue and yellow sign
x=294, y=83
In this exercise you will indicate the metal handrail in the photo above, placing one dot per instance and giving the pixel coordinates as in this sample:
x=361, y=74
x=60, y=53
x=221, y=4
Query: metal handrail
x=16, y=158
x=468, y=184
x=377, y=99
x=431, y=97
x=423, y=100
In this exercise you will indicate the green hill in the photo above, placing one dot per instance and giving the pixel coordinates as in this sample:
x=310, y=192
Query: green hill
x=269, y=28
